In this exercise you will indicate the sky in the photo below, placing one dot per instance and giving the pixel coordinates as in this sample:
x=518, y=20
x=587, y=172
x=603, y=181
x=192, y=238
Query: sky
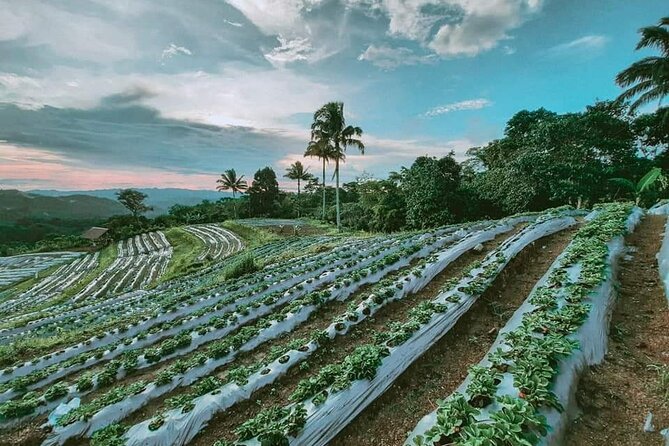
x=146, y=93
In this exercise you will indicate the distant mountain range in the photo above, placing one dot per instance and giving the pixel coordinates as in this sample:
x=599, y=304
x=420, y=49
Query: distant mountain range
x=160, y=199
x=15, y=205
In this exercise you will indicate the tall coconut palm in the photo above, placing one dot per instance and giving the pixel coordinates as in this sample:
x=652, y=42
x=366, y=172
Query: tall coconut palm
x=329, y=120
x=296, y=171
x=321, y=148
x=229, y=181
x=648, y=79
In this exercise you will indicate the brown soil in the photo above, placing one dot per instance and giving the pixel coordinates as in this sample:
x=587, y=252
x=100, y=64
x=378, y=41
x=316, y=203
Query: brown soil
x=437, y=373
x=616, y=396
x=223, y=425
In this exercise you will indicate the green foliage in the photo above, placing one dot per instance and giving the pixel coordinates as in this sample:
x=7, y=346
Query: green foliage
x=430, y=187
x=111, y=435
x=243, y=265
x=264, y=193
x=133, y=200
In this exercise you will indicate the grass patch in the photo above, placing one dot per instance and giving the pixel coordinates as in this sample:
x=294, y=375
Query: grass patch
x=246, y=264
x=252, y=236
x=186, y=248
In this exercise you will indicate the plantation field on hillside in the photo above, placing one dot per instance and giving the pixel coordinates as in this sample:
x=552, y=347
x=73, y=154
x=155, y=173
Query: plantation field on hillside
x=470, y=334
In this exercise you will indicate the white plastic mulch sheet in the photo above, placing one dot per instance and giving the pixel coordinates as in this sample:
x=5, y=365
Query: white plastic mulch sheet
x=592, y=338
x=119, y=410
x=661, y=208
x=179, y=428
x=663, y=261
x=326, y=420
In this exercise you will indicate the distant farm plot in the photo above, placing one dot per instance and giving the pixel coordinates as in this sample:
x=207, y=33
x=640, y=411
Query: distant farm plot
x=219, y=242
x=17, y=268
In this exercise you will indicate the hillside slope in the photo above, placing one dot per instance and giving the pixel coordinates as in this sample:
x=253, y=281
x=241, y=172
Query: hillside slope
x=161, y=199
x=16, y=205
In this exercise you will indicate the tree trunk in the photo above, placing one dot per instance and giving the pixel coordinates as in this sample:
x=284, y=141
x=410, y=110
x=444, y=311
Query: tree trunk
x=323, y=189
x=337, y=194
x=298, y=198
x=234, y=205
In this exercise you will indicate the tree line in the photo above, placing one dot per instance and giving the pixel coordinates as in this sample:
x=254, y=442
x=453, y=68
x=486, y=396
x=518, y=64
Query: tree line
x=544, y=159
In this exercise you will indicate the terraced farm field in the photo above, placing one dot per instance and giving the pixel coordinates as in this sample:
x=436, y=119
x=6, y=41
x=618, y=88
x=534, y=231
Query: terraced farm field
x=471, y=334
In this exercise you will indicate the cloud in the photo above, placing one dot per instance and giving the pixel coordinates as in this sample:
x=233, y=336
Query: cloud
x=275, y=17
x=172, y=50
x=453, y=28
x=86, y=37
x=470, y=104
x=581, y=45
x=30, y=168
x=242, y=95
x=390, y=58
x=121, y=143
x=290, y=51
x=235, y=24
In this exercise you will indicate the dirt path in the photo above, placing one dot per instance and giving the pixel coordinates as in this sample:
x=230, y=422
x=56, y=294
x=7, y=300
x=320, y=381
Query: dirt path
x=616, y=396
x=441, y=369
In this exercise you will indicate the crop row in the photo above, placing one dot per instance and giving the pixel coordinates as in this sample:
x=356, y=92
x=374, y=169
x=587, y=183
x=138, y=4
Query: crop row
x=191, y=412
x=218, y=242
x=196, y=283
x=52, y=285
x=140, y=261
x=223, y=351
x=17, y=268
x=518, y=393
x=323, y=404
x=203, y=321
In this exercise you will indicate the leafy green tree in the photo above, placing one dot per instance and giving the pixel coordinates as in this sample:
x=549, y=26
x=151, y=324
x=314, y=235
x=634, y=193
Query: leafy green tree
x=297, y=172
x=133, y=200
x=648, y=79
x=430, y=187
x=230, y=181
x=264, y=193
x=330, y=123
x=546, y=159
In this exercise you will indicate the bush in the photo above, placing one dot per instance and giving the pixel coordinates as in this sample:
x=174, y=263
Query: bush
x=244, y=265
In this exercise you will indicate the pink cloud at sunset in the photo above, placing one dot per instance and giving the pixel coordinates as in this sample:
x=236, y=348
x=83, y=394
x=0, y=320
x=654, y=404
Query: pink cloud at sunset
x=29, y=168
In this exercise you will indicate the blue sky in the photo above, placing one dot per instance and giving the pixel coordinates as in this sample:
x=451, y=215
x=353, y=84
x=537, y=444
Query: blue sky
x=103, y=93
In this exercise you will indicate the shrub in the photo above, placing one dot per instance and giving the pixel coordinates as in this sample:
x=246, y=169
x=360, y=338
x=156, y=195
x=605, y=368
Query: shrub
x=244, y=265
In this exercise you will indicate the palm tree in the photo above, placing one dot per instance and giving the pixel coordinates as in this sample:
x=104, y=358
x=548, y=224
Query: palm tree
x=296, y=171
x=320, y=147
x=648, y=78
x=329, y=120
x=229, y=181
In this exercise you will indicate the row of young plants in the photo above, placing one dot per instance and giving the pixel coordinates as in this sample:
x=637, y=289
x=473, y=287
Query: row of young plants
x=88, y=418
x=174, y=291
x=52, y=285
x=21, y=267
x=187, y=340
x=151, y=250
x=226, y=320
x=515, y=395
x=218, y=242
x=201, y=282
x=187, y=414
x=183, y=306
x=323, y=404
x=111, y=313
x=220, y=318
x=268, y=251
